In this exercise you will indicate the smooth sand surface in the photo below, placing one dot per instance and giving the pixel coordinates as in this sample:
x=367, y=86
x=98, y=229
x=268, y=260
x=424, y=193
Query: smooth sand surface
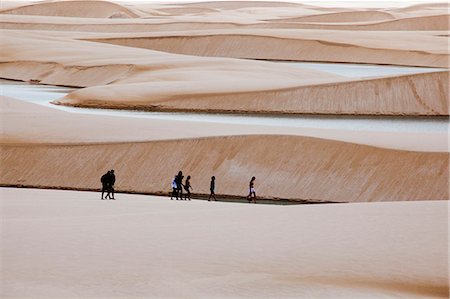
x=65, y=244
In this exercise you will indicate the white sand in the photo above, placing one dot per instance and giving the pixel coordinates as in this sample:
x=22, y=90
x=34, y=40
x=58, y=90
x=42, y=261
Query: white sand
x=65, y=244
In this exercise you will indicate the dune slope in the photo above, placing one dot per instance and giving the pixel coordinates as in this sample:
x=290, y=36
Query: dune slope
x=420, y=94
x=297, y=168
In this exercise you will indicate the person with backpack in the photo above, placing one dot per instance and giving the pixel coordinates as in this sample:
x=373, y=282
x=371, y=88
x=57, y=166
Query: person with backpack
x=105, y=188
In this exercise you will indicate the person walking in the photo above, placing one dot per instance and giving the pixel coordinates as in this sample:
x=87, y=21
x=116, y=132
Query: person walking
x=252, y=192
x=187, y=187
x=104, y=180
x=111, y=182
x=174, y=188
x=212, y=188
x=179, y=181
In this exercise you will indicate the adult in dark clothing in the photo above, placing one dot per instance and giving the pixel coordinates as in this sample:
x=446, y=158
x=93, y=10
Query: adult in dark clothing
x=112, y=181
x=179, y=181
x=187, y=187
x=105, y=188
x=212, y=188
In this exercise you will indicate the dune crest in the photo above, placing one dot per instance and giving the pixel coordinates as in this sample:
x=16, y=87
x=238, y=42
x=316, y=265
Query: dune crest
x=421, y=94
x=305, y=45
x=337, y=17
x=73, y=8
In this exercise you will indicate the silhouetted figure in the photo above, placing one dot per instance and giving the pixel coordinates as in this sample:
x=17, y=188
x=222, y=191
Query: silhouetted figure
x=252, y=192
x=179, y=181
x=212, y=187
x=105, y=186
x=112, y=181
x=174, y=188
x=187, y=187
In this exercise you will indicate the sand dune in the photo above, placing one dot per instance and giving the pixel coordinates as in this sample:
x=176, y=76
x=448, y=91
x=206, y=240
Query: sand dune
x=437, y=21
x=298, y=168
x=79, y=63
x=218, y=15
x=150, y=80
x=181, y=10
x=422, y=94
x=306, y=45
x=243, y=4
x=423, y=6
x=184, y=57
x=425, y=23
x=208, y=250
x=71, y=149
x=350, y=16
x=85, y=9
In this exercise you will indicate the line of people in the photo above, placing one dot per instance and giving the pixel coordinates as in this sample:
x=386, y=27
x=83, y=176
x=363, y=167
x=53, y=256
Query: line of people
x=109, y=179
x=178, y=186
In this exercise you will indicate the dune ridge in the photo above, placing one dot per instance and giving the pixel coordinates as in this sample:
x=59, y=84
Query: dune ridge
x=429, y=51
x=306, y=168
x=56, y=74
x=416, y=23
x=73, y=8
x=350, y=16
x=150, y=80
x=419, y=94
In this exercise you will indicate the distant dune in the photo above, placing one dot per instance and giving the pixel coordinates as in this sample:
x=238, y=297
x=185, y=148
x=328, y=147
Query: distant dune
x=132, y=78
x=167, y=23
x=414, y=49
x=84, y=9
x=348, y=16
x=427, y=22
x=422, y=94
